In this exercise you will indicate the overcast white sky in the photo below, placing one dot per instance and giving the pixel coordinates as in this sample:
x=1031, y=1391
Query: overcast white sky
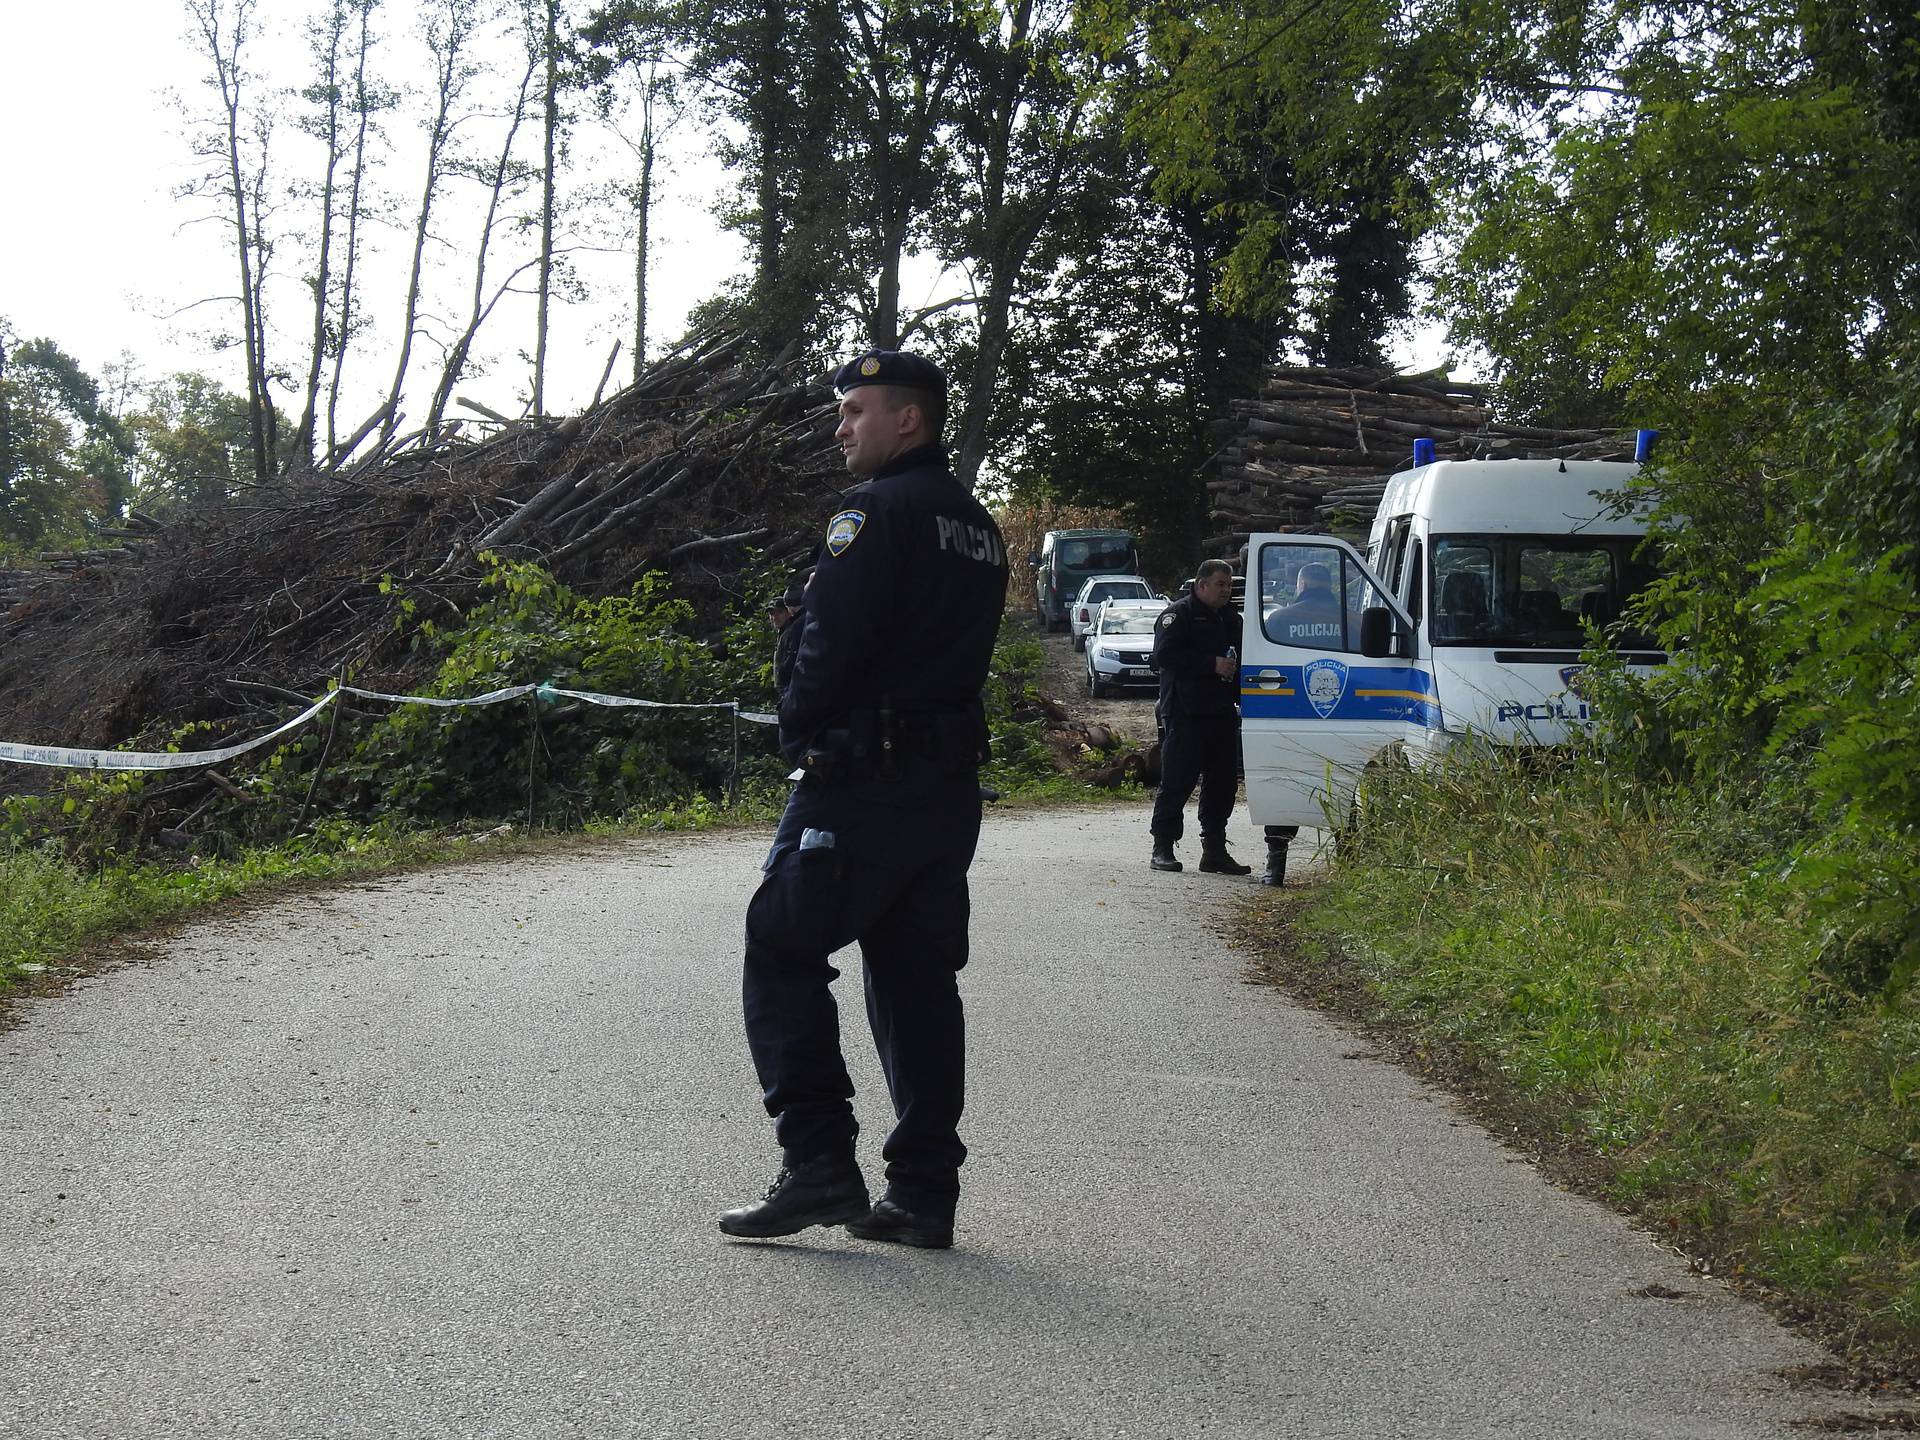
x=97, y=254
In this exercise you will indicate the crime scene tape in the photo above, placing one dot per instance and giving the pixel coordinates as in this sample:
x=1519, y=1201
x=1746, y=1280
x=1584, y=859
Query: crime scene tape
x=66, y=758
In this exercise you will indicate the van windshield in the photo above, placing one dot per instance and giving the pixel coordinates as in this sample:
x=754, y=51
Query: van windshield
x=1098, y=554
x=1533, y=592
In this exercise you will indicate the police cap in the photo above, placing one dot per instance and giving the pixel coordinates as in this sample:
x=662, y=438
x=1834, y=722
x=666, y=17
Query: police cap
x=890, y=367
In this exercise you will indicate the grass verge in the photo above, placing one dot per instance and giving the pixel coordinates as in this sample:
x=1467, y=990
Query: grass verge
x=1628, y=978
x=55, y=914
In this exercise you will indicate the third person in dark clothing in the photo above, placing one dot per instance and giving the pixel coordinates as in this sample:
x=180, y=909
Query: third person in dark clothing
x=1196, y=651
x=788, y=615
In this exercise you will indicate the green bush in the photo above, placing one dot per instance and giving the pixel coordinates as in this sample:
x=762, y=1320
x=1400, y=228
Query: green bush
x=1792, y=550
x=567, y=760
x=1021, y=759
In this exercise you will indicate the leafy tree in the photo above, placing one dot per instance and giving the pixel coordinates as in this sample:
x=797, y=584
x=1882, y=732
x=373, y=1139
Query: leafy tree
x=1301, y=130
x=772, y=75
x=63, y=457
x=1018, y=138
x=1706, y=217
x=192, y=442
x=1110, y=367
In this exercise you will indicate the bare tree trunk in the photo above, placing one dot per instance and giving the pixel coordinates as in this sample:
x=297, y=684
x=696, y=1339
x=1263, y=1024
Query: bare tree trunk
x=1012, y=222
x=224, y=46
x=642, y=235
x=326, y=34
x=6, y=425
x=451, y=73
x=551, y=97
x=262, y=257
x=503, y=173
x=906, y=88
x=364, y=104
x=770, y=70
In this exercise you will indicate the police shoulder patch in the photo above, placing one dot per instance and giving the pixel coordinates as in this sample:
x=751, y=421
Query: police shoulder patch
x=843, y=529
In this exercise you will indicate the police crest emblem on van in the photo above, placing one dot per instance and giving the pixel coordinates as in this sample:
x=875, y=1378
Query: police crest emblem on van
x=1325, y=681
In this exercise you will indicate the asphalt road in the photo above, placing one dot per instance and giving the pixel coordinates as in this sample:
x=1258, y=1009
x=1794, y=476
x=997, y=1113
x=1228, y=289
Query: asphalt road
x=440, y=1156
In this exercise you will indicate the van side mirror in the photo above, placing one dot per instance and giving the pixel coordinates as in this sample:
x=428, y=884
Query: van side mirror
x=1376, y=632
x=1033, y=560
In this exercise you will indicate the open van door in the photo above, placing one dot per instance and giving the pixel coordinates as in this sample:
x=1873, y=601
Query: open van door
x=1329, y=677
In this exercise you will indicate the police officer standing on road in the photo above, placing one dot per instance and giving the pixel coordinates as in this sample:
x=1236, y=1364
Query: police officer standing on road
x=888, y=735
x=1194, y=649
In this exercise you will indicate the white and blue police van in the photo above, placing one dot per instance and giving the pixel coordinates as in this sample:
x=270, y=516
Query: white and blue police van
x=1463, y=622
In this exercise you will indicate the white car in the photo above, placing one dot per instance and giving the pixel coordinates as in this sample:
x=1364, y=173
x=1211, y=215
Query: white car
x=1098, y=590
x=1120, y=646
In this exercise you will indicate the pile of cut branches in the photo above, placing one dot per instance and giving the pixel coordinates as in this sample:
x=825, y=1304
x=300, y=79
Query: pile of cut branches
x=227, y=612
x=1314, y=449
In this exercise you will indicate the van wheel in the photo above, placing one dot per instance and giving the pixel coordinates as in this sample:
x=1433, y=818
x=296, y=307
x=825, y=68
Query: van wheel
x=1080, y=642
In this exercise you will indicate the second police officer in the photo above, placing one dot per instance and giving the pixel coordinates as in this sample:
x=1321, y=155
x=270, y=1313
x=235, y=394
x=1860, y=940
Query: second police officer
x=886, y=733
x=1194, y=649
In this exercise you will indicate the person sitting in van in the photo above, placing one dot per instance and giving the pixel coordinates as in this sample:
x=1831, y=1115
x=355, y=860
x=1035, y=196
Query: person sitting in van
x=1463, y=606
x=1313, y=619
x=1540, y=612
x=1598, y=605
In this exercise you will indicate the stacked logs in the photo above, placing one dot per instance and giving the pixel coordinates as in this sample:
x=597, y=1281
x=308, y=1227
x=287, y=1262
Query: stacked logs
x=712, y=467
x=1314, y=449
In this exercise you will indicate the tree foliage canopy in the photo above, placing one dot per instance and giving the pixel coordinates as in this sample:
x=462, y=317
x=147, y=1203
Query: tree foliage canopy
x=63, y=458
x=1706, y=218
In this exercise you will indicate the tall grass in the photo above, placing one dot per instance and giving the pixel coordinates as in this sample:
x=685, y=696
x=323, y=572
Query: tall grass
x=1638, y=963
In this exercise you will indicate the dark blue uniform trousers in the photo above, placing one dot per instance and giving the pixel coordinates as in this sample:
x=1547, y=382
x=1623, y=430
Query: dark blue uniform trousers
x=1203, y=749
x=895, y=880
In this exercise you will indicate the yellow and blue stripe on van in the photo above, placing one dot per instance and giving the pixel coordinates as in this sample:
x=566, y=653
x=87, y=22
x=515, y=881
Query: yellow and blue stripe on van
x=1371, y=692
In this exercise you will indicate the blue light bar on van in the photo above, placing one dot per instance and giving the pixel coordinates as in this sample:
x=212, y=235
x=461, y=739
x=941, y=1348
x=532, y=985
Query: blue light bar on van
x=1642, y=445
x=1423, y=452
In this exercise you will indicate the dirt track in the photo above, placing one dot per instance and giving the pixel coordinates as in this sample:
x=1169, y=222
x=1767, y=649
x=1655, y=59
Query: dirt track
x=1065, y=678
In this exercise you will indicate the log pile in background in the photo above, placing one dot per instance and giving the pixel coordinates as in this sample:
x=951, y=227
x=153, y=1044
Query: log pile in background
x=226, y=611
x=1314, y=449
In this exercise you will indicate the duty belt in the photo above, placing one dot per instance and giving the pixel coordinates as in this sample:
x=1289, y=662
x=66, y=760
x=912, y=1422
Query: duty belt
x=883, y=744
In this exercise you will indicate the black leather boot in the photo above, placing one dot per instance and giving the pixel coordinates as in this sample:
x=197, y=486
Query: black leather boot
x=896, y=1225
x=1214, y=860
x=1163, y=856
x=825, y=1191
x=1276, y=872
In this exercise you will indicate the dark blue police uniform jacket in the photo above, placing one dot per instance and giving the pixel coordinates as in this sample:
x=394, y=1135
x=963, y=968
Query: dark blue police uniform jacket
x=884, y=712
x=1200, y=742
